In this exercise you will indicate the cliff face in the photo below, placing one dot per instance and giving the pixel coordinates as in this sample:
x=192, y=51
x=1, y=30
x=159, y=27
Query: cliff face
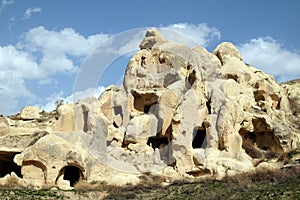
x=180, y=112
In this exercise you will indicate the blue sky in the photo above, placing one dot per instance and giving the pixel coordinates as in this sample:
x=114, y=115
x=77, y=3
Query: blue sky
x=44, y=43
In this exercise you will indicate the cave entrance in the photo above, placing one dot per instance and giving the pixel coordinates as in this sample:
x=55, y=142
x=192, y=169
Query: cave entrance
x=7, y=164
x=199, y=135
x=143, y=102
x=72, y=174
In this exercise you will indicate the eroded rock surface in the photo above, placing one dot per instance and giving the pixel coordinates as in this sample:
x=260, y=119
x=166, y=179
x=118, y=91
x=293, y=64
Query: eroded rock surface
x=180, y=112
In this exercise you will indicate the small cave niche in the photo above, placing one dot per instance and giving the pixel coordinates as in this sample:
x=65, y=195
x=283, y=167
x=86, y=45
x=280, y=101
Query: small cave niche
x=191, y=78
x=118, y=110
x=199, y=172
x=276, y=101
x=157, y=142
x=143, y=102
x=257, y=143
x=143, y=60
x=208, y=105
x=7, y=164
x=71, y=173
x=199, y=137
x=115, y=125
x=85, y=114
x=259, y=95
x=232, y=76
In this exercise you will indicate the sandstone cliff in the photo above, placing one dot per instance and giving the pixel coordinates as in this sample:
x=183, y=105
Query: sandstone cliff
x=180, y=113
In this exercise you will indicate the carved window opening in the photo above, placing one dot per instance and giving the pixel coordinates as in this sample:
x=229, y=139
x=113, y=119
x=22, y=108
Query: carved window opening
x=144, y=102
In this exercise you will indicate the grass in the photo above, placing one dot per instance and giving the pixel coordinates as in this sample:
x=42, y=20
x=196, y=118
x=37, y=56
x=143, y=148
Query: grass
x=264, y=184
x=267, y=184
x=21, y=194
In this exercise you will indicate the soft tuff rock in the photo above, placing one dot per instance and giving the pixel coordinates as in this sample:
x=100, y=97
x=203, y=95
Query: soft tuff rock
x=180, y=113
x=30, y=113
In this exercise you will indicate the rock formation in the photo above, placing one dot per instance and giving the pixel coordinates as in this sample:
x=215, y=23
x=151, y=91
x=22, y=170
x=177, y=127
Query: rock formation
x=180, y=113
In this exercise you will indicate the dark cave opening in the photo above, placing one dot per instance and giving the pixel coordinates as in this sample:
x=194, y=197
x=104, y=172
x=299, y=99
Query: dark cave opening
x=199, y=137
x=208, y=105
x=192, y=78
x=72, y=174
x=85, y=121
x=147, y=108
x=157, y=142
x=7, y=164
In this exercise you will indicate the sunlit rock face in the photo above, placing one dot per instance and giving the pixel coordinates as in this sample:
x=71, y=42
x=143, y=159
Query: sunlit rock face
x=181, y=113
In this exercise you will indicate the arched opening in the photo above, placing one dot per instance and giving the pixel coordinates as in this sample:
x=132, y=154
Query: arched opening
x=72, y=174
x=34, y=170
x=199, y=138
x=7, y=164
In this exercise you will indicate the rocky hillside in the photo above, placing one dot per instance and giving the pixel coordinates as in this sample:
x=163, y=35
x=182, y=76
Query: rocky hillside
x=181, y=113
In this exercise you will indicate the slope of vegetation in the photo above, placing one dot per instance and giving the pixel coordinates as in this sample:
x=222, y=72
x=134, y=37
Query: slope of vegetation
x=267, y=184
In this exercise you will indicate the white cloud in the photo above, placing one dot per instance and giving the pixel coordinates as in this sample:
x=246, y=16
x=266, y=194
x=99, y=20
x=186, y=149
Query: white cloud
x=29, y=11
x=5, y=3
x=272, y=57
x=66, y=41
x=58, y=46
x=18, y=63
x=11, y=89
x=201, y=33
x=15, y=67
x=40, y=55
